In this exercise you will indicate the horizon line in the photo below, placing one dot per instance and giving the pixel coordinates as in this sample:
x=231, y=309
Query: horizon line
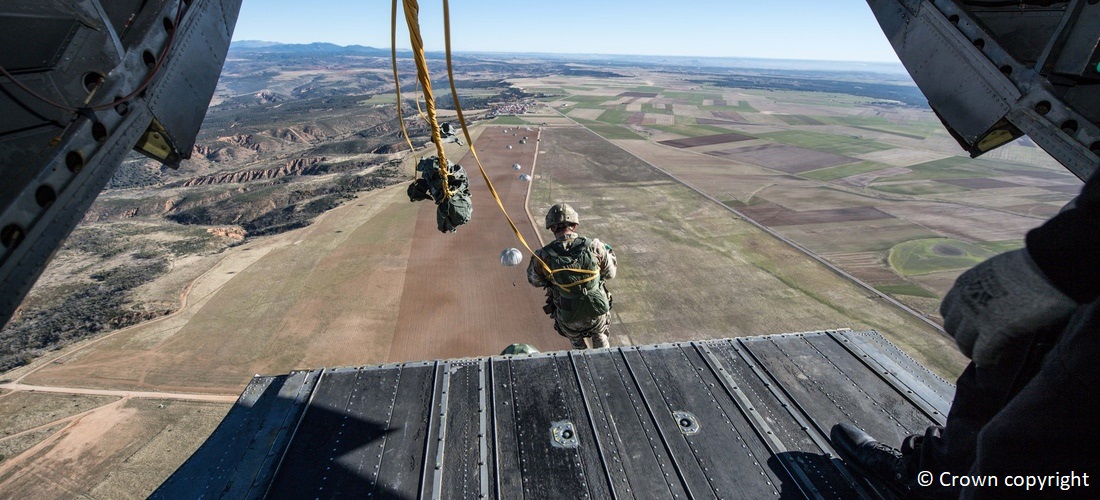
x=407, y=49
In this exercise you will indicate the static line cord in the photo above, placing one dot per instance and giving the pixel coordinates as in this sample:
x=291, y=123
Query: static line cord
x=473, y=152
x=412, y=10
x=412, y=18
x=396, y=82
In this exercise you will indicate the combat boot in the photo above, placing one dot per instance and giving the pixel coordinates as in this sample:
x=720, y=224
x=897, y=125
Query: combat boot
x=872, y=458
x=578, y=343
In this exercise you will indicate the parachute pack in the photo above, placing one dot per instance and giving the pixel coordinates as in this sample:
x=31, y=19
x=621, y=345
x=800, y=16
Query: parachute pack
x=453, y=209
x=581, y=298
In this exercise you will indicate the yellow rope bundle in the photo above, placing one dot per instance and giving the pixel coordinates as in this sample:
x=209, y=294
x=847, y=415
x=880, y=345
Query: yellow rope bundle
x=412, y=12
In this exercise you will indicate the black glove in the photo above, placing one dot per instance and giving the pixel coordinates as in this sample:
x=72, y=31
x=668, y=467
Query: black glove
x=999, y=302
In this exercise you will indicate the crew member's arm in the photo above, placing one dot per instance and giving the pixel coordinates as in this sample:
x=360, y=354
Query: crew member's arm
x=1067, y=247
x=1012, y=296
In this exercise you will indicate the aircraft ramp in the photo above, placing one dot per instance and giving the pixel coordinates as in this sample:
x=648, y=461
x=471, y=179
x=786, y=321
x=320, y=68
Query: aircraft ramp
x=734, y=418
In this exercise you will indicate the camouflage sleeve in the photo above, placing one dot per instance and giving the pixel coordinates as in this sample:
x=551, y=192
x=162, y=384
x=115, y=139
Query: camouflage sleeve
x=606, y=257
x=536, y=275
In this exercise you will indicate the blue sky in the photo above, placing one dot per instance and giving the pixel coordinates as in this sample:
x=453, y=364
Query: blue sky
x=831, y=30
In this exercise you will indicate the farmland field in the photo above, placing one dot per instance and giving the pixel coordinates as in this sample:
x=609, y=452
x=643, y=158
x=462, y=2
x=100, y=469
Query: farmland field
x=935, y=254
x=679, y=253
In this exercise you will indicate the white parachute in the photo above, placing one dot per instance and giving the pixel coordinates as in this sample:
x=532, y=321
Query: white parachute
x=511, y=257
x=525, y=177
x=516, y=166
x=509, y=146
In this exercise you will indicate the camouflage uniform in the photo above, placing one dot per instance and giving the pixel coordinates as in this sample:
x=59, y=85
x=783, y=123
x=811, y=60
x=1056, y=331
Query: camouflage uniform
x=596, y=328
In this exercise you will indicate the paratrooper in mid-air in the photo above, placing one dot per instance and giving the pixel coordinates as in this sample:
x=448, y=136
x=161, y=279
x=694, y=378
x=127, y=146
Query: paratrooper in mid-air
x=577, y=297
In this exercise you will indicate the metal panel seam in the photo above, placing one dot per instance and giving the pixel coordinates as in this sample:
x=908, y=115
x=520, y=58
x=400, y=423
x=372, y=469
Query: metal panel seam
x=591, y=422
x=758, y=424
x=297, y=426
x=657, y=425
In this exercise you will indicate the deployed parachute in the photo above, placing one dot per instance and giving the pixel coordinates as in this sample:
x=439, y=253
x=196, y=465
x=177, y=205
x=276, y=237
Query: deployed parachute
x=525, y=177
x=451, y=211
x=515, y=166
x=515, y=349
x=511, y=257
x=509, y=146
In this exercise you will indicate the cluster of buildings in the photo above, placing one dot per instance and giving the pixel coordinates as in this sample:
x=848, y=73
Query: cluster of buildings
x=512, y=108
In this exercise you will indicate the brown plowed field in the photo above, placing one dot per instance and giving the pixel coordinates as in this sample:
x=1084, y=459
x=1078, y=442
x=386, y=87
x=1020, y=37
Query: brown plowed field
x=706, y=140
x=980, y=183
x=458, y=300
x=790, y=159
x=775, y=215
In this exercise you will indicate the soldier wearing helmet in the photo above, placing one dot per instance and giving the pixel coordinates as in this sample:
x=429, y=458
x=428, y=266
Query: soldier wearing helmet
x=577, y=298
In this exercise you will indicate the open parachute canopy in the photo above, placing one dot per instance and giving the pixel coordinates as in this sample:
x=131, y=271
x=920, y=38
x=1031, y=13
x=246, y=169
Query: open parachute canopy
x=511, y=257
x=516, y=349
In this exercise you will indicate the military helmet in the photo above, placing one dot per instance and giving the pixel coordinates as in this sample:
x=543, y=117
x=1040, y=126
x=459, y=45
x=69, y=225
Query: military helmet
x=561, y=213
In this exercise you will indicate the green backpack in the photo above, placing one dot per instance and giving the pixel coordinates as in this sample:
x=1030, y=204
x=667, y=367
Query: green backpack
x=577, y=279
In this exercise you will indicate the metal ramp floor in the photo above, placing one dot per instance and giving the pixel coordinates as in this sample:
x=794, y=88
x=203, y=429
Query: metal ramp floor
x=735, y=418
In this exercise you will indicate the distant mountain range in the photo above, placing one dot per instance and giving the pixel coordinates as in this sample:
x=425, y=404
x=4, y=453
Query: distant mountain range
x=308, y=48
x=611, y=59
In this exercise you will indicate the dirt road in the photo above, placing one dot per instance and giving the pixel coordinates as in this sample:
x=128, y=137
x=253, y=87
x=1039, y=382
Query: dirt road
x=212, y=398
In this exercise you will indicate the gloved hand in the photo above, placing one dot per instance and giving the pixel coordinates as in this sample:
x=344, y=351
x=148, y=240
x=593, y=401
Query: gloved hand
x=1001, y=301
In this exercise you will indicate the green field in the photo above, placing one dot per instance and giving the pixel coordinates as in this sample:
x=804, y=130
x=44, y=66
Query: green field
x=694, y=98
x=916, y=129
x=799, y=120
x=837, y=144
x=378, y=99
x=586, y=105
x=615, y=116
x=892, y=132
x=953, y=167
x=509, y=120
x=590, y=99
x=911, y=290
x=930, y=255
x=545, y=90
x=918, y=188
x=692, y=130
x=1002, y=246
x=740, y=107
x=859, y=236
x=648, y=108
x=839, y=172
